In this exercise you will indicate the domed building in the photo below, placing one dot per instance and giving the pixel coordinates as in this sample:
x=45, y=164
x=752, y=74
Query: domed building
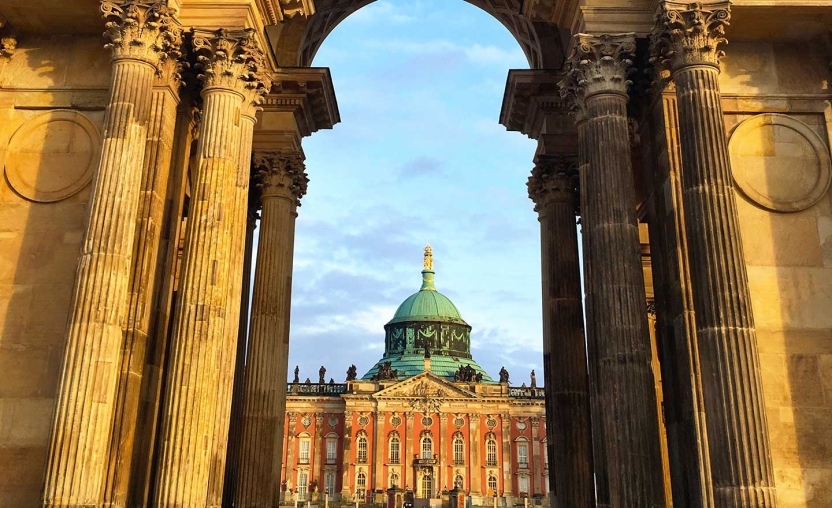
x=424, y=419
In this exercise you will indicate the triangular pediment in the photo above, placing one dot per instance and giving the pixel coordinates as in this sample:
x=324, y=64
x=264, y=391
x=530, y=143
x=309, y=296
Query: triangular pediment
x=424, y=386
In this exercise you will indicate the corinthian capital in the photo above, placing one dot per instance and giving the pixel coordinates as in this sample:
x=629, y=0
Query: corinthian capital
x=689, y=34
x=231, y=59
x=554, y=179
x=141, y=30
x=598, y=64
x=280, y=174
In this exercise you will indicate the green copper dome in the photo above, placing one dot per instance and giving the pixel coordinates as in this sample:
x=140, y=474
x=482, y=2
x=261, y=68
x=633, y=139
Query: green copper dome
x=427, y=304
x=428, y=320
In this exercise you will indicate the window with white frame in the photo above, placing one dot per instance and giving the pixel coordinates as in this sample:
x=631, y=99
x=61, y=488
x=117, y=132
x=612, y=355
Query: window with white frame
x=329, y=482
x=361, y=447
x=360, y=483
x=523, y=454
x=303, y=456
x=523, y=484
x=427, y=447
x=492, y=485
x=459, y=449
x=303, y=482
x=490, y=450
x=331, y=450
x=395, y=448
x=427, y=486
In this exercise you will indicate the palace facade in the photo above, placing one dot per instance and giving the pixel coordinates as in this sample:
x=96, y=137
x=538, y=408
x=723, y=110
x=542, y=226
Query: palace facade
x=424, y=419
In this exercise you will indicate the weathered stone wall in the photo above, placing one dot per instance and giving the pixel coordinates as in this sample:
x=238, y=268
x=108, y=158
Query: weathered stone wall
x=52, y=97
x=781, y=165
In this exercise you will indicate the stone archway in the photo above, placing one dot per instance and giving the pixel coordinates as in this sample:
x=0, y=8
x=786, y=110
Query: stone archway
x=296, y=41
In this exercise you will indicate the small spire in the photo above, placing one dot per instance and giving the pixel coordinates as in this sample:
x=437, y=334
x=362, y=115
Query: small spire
x=428, y=257
x=427, y=272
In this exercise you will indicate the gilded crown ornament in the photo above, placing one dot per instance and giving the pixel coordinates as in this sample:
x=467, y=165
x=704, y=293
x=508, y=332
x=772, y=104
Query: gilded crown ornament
x=689, y=34
x=141, y=30
x=428, y=257
x=598, y=64
x=280, y=174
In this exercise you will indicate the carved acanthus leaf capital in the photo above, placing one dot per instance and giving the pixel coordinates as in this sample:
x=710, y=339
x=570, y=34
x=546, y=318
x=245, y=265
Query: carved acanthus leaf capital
x=598, y=64
x=554, y=179
x=142, y=30
x=231, y=59
x=689, y=34
x=280, y=174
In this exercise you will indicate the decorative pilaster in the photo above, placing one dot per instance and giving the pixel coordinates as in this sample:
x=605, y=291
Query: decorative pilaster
x=141, y=35
x=346, y=480
x=475, y=446
x=505, y=450
x=687, y=39
x=442, y=442
x=282, y=182
x=379, y=446
x=597, y=79
x=317, y=470
x=553, y=186
x=235, y=428
x=200, y=376
x=537, y=466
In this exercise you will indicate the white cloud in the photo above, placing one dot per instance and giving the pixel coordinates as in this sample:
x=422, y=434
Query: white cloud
x=383, y=11
x=488, y=56
x=493, y=55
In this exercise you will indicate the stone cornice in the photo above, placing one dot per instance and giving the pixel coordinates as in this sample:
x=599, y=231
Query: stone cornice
x=529, y=97
x=141, y=30
x=231, y=60
x=281, y=175
x=599, y=64
x=308, y=94
x=689, y=34
x=276, y=11
x=553, y=179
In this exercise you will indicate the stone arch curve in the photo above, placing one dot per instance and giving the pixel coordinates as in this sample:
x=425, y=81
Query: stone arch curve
x=296, y=40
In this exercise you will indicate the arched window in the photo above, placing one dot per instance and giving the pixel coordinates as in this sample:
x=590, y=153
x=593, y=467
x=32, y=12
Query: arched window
x=490, y=449
x=427, y=486
x=305, y=447
x=492, y=485
x=395, y=448
x=361, y=448
x=459, y=449
x=394, y=480
x=427, y=447
x=360, y=483
x=331, y=448
x=523, y=454
x=459, y=482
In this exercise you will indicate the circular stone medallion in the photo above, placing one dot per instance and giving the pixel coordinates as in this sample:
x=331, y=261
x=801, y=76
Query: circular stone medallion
x=52, y=156
x=779, y=162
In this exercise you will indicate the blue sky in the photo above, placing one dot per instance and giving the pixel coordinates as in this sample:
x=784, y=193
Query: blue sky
x=419, y=157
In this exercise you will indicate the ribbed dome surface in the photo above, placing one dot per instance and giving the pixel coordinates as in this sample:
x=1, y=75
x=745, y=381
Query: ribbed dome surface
x=427, y=305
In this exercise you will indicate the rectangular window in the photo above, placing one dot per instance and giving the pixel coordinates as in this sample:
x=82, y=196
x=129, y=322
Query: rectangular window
x=362, y=450
x=303, y=482
x=394, y=450
x=329, y=483
x=523, y=454
x=331, y=451
x=523, y=484
x=303, y=457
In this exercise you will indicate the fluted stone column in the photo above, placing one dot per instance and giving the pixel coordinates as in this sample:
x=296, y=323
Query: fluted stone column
x=688, y=37
x=141, y=34
x=146, y=273
x=197, y=400
x=553, y=187
x=596, y=396
x=597, y=79
x=282, y=183
x=235, y=428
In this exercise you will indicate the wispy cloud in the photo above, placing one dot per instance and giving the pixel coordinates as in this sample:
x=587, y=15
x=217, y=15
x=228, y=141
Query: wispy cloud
x=484, y=55
x=384, y=11
x=421, y=166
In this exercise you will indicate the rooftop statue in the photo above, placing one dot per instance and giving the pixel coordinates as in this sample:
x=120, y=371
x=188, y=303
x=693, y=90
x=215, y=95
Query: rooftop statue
x=428, y=257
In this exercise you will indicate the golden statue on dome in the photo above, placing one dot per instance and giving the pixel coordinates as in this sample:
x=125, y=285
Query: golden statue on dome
x=428, y=257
